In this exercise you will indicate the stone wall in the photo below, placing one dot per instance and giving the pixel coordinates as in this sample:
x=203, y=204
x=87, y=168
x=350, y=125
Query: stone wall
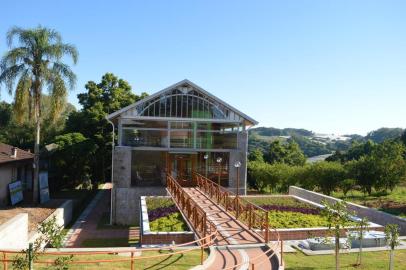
x=240, y=155
x=127, y=203
x=14, y=233
x=373, y=215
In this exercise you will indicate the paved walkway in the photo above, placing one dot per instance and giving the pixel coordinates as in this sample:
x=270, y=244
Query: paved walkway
x=231, y=232
x=86, y=226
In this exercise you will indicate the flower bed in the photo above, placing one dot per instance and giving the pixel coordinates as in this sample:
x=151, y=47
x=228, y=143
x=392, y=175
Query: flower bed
x=162, y=223
x=164, y=216
x=288, y=212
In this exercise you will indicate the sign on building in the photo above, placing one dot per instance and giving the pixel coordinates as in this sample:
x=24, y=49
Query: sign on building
x=16, y=192
x=43, y=187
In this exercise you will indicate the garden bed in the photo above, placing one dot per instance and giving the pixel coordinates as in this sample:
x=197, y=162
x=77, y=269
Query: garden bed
x=162, y=222
x=295, y=218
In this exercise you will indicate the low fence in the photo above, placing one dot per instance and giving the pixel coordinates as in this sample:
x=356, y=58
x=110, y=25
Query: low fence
x=128, y=254
x=373, y=215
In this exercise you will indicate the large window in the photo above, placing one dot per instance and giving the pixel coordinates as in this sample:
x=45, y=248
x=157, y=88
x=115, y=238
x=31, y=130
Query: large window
x=147, y=168
x=186, y=102
x=180, y=134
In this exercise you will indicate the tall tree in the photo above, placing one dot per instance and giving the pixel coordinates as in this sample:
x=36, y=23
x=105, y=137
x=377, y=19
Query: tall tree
x=108, y=96
x=34, y=63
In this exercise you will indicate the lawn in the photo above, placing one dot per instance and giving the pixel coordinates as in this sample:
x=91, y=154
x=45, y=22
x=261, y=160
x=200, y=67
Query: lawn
x=170, y=262
x=288, y=212
x=371, y=261
x=164, y=216
x=391, y=202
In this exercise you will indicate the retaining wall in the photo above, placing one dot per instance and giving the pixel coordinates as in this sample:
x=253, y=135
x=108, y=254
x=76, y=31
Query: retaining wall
x=14, y=233
x=160, y=238
x=373, y=215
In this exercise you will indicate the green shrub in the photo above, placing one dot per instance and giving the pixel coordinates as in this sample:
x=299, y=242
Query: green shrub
x=171, y=223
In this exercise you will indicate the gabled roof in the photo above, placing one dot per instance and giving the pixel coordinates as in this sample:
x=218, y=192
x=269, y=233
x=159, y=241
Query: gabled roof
x=6, y=154
x=174, y=86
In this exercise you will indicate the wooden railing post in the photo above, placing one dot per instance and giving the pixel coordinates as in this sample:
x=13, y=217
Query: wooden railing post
x=5, y=261
x=281, y=253
x=132, y=260
x=250, y=217
x=266, y=227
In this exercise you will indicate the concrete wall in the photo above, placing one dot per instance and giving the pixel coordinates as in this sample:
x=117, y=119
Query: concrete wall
x=126, y=206
x=63, y=216
x=373, y=215
x=14, y=233
x=239, y=155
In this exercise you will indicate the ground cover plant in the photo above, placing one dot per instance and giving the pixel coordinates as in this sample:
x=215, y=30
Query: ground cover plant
x=288, y=212
x=164, y=216
x=390, y=202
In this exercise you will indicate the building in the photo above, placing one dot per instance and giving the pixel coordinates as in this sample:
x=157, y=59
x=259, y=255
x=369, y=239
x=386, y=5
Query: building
x=15, y=165
x=179, y=130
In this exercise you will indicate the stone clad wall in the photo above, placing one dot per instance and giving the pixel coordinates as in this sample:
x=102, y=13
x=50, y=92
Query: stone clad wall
x=127, y=203
x=14, y=233
x=373, y=215
x=241, y=155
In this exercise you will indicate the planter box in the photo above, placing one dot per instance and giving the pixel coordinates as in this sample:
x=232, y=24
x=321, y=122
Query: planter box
x=160, y=238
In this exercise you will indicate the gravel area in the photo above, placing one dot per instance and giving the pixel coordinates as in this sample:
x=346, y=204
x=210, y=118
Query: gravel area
x=36, y=213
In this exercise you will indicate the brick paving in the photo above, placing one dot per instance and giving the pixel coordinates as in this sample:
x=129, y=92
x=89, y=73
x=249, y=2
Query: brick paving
x=231, y=232
x=86, y=226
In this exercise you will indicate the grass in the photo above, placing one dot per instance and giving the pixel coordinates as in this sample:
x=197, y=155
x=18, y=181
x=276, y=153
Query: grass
x=156, y=202
x=391, y=202
x=109, y=242
x=371, y=261
x=171, y=262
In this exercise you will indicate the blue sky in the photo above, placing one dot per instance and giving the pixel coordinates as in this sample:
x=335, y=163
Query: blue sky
x=328, y=66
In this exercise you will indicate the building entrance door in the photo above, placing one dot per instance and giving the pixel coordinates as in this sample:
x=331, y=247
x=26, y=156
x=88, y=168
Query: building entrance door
x=181, y=167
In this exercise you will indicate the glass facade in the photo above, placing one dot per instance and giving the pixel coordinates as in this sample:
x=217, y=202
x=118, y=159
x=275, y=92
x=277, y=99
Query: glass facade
x=180, y=134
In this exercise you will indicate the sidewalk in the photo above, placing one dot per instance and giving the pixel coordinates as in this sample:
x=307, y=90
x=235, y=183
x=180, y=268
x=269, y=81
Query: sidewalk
x=86, y=226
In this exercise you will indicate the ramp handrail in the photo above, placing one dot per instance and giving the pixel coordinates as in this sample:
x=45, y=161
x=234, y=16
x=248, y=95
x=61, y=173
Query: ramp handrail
x=254, y=216
x=193, y=212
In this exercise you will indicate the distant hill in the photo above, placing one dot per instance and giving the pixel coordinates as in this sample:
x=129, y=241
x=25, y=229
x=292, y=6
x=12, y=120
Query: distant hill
x=312, y=143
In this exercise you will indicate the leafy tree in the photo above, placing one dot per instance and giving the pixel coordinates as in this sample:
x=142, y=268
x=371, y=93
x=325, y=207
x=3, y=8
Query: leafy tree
x=256, y=155
x=101, y=99
x=72, y=159
x=5, y=114
x=390, y=166
x=337, y=217
x=37, y=62
x=347, y=184
x=289, y=153
x=403, y=138
x=327, y=175
x=363, y=170
x=392, y=239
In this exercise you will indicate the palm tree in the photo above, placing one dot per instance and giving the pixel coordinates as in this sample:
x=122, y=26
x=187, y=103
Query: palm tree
x=34, y=63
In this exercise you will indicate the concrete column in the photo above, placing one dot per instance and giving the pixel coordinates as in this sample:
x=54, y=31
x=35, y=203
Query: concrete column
x=239, y=155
